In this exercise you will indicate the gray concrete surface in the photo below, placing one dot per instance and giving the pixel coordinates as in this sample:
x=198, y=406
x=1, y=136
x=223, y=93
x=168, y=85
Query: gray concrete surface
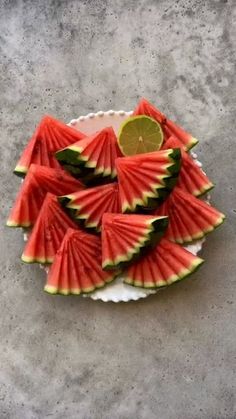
x=172, y=356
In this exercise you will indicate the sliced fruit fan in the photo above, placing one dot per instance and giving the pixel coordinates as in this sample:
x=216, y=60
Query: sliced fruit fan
x=95, y=206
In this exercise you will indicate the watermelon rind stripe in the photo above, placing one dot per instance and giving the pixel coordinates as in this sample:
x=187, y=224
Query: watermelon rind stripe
x=192, y=142
x=185, y=272
x=67, y=156
x=36, y=259
x=20, y=170
x=78, y=291
x=206, y=188
x=202, y=233
x=155, y=194
x=91, y=164
x=12, y=223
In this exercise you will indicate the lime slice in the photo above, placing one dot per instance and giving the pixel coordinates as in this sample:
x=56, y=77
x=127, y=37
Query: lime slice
x=140, y=134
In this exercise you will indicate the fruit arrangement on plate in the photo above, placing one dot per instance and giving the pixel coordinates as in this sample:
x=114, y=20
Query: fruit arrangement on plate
x=113, y=204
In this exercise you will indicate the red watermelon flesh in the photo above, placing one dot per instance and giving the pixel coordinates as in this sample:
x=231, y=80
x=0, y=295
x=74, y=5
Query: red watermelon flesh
x=124, y=236
x=189, y=217
x=165, y=264
x=50, y=136
x=77, y=265
x=90, y=204
x=97, y=152
x=169, y=128
x=47, y=233
x=144, y=176
x=38, y=181
x=191, y=177
x=144, y=107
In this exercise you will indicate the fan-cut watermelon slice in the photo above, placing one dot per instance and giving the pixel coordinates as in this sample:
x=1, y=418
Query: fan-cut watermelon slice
x=50, y=136
x=165, y=264
x=169, y=128
x=90, y=204
x=191, y=177
x=38, y=181
x=48, y=232
x=124, y=236
x=189, y=217
x=97, y=152
x=77, y=265
x=144, y=179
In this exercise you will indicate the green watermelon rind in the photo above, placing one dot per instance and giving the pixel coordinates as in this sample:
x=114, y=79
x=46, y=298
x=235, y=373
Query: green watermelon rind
x=74, y=170
x=68, y=156
x=176, y=278
x=81, y=220
x=155, y=231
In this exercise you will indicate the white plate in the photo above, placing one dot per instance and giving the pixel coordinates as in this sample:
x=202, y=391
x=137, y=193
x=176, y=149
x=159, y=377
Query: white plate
x=117, y=291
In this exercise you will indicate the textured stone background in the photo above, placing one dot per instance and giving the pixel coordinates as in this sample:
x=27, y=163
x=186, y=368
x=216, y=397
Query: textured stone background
x=172, y=356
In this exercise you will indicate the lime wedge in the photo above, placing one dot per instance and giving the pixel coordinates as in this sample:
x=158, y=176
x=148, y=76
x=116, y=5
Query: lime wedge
x=140, y=134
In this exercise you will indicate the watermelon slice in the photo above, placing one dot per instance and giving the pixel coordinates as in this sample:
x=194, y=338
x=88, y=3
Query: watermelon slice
x=191, y=177
x=47, y=233
x=125, y=235
x=77, y=265
x=189, y=217
x=50, y=135
x=97, y=152
x=90, y=204
x=144, y=179
x=165, y=264
x=169, y=127
x=38, y=181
